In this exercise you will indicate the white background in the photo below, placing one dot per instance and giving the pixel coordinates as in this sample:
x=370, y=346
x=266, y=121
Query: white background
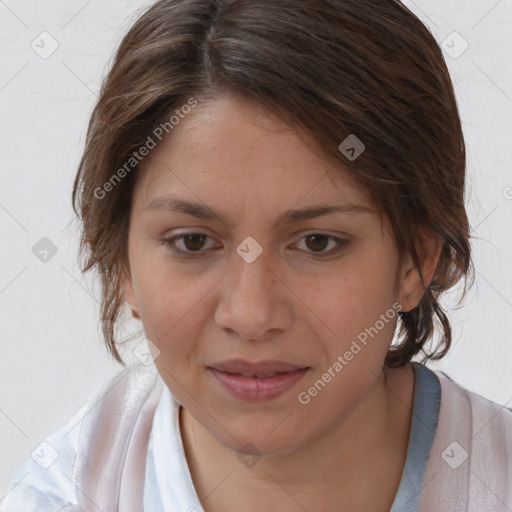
x=52, y=360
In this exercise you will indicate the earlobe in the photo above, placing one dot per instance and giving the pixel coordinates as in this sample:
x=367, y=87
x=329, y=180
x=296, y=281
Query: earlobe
x=410, y=289
x=130, y=298
x=413, y=283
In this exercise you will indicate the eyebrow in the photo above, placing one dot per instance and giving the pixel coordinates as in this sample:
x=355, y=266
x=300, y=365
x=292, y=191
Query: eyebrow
x=201, y=211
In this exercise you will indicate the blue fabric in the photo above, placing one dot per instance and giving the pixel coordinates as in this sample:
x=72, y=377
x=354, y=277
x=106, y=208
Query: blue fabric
x=425, y=415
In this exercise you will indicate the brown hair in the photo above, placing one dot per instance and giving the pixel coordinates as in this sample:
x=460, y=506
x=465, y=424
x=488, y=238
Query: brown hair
x=331, y=67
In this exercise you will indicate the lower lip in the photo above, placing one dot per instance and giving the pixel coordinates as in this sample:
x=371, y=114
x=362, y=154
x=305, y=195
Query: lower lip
x=257, y=389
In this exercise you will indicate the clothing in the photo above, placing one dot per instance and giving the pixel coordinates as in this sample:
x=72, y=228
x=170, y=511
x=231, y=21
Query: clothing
x=124, y=452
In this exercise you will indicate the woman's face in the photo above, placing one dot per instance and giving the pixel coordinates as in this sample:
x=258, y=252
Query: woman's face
x=264, y=277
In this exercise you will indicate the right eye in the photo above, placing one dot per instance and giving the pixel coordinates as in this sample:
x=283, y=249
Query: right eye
x=187, y=245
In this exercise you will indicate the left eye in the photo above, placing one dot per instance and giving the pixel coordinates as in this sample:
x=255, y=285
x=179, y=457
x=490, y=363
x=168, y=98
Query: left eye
x=318, y=242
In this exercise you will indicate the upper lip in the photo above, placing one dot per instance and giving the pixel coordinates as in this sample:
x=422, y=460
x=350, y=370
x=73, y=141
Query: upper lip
x=256, y=368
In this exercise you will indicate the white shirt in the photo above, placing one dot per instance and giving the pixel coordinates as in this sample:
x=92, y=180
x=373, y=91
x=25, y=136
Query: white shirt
x=124, y=452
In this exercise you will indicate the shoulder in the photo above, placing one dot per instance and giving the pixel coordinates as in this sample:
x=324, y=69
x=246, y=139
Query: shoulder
x=485, y=414
x=485, y=425
x=44, y=481
x=49, y=478
x=471, y=456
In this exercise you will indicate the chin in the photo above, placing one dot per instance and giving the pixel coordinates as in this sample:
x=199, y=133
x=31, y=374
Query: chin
x=251, y=441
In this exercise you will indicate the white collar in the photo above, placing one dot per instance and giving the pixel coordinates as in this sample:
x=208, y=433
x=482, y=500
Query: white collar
x=169, y=484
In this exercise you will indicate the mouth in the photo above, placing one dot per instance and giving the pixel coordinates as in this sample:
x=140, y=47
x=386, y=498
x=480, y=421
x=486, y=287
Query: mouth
x=258, y=368
x=258, y=376
x=256, y=381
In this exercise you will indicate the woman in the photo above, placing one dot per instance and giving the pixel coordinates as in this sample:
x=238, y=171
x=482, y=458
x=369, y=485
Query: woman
x=229, y=140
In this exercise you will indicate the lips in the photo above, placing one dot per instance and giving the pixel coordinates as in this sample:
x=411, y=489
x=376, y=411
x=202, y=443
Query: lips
x=257, y=369
x=263, y=380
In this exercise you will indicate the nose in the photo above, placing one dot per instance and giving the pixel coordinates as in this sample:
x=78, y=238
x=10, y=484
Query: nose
x=254, y=300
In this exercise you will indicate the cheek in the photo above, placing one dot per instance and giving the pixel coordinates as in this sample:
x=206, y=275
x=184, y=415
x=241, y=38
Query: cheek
x=352, y=299
x=358, y=311
x=169, y=300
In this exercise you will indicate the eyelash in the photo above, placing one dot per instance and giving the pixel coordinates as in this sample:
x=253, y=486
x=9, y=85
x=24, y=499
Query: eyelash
x=170, y=243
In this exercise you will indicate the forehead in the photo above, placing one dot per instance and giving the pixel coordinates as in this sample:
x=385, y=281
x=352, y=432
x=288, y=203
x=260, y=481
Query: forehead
x=233, y=150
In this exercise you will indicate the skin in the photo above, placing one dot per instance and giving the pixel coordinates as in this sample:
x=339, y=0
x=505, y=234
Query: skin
x=348, y=444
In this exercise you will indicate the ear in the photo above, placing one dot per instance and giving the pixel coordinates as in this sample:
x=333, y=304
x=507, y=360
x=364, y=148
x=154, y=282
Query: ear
x=130, y=298
x=411, y=287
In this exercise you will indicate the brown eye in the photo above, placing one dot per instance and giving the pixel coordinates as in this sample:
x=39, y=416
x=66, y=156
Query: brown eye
x=322, y=245
x=194, y=241
x=317, y=243
x=188, y=245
